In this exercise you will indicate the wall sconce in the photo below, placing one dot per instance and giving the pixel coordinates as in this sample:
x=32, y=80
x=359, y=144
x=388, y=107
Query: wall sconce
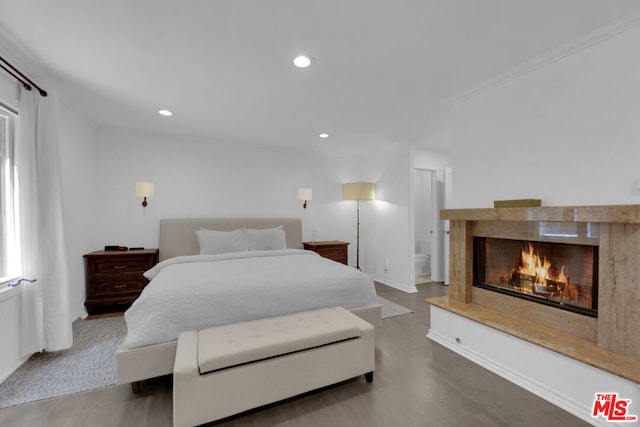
x=304, y=194
x=144, y=189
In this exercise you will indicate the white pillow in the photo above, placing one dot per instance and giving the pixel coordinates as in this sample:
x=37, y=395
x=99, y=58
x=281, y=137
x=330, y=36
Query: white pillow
x=266, y=239
x=213, y=242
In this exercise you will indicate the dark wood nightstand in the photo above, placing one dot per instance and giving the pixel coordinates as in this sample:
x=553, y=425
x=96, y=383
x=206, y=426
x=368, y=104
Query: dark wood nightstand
x=332, y=249
x=115, y=277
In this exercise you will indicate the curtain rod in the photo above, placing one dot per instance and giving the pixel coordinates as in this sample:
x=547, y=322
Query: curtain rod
x=16, y=74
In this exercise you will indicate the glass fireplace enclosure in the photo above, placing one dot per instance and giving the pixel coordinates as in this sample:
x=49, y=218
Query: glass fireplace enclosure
x=557, y=274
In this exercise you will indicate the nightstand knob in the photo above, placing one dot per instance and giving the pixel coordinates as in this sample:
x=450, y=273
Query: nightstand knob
x=124, y=285
x=120, y=267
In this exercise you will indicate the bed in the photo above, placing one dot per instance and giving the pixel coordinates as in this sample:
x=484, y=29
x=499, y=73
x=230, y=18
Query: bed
x=245, y=277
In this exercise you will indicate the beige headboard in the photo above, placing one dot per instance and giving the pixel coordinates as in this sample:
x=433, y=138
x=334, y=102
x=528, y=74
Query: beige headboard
x=178, y=236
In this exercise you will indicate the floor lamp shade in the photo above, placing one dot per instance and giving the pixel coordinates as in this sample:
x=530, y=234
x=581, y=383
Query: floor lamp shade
x=359, y=191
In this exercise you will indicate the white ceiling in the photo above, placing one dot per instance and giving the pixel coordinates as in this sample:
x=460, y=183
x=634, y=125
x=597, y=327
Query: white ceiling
x=381, y=67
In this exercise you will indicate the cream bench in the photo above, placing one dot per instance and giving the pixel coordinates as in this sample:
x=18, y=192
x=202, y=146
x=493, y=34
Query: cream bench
x=225, y=370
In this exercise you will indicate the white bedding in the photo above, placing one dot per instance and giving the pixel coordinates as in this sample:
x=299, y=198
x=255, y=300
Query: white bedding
x=199, y=291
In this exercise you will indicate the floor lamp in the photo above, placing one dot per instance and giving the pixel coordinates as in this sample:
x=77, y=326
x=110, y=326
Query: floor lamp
x=358, y=191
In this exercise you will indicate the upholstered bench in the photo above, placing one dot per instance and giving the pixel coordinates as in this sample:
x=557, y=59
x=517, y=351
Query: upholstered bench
x=225, y=370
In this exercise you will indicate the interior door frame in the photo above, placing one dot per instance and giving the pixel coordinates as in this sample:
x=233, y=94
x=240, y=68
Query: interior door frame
x=437, y=230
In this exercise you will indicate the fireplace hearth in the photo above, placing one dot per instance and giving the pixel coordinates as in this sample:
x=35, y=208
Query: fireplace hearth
x=560, y=275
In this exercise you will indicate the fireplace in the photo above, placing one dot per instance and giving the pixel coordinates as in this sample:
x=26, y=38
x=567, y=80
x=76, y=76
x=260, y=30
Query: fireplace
x=560, y=275
x=607, y=235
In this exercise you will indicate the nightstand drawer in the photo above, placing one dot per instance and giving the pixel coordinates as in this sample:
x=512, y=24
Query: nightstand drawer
x=116, y=278
x=120, y=265
x=336, y=254
x=116, y=286
x=331, y=249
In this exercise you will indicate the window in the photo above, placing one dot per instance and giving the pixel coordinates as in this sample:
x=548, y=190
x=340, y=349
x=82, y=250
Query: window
x=9, y=246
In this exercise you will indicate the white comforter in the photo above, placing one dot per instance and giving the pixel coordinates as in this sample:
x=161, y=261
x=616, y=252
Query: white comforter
x=195, y=292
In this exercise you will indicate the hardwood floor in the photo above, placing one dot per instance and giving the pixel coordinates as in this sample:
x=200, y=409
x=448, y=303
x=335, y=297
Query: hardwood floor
x=417, y=383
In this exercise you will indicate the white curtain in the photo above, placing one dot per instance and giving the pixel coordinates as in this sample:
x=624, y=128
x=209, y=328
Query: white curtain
x=45, y=318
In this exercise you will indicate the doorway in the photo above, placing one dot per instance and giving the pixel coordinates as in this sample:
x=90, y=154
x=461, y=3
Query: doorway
x=429, y=196
x=424, y=224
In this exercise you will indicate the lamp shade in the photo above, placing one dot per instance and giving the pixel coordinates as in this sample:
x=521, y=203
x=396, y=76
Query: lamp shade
x=304, y=194
x=144, y=189
x=359, y=191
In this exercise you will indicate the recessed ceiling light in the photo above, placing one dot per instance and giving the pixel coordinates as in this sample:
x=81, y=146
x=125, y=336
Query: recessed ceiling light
x=165, y=113
x=324, y=135
x=302, y=61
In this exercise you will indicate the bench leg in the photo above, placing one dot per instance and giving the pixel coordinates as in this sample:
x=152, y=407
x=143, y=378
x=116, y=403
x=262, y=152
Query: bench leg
x=369, y=377
x=135, y=387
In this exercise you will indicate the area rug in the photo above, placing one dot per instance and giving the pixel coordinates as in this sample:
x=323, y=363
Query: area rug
x=391, y=309
x=89, y=364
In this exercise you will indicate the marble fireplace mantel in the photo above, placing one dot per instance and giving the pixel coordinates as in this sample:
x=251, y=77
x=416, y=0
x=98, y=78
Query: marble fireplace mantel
x=612, y=340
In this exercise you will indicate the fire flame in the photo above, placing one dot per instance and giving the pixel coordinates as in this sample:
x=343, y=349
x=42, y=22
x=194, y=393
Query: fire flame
x=537, y=275
x=537, y=267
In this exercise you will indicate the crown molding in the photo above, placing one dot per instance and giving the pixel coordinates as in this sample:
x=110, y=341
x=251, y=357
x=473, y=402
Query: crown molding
x=564, y=50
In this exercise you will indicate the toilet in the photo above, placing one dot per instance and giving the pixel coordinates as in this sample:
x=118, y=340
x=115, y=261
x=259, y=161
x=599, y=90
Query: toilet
x=423, y=257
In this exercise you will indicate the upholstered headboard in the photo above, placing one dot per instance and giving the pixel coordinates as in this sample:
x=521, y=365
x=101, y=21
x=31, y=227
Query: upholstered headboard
x=178, y=236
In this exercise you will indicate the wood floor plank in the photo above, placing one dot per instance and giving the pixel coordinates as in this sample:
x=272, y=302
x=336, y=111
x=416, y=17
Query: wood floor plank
x=417, y=383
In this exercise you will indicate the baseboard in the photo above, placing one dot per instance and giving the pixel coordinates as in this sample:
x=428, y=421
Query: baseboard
x=410, y=289
x=574, y=387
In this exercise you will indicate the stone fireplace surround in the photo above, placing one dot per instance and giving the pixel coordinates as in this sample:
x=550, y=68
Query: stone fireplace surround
x=611, y=341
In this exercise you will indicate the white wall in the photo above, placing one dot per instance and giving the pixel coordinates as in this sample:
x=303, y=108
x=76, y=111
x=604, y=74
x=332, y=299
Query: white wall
x=388, y=232
x=201, y=178
x=78, y=163
x=387, y=241
x=566, y=132
x=431, y=160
